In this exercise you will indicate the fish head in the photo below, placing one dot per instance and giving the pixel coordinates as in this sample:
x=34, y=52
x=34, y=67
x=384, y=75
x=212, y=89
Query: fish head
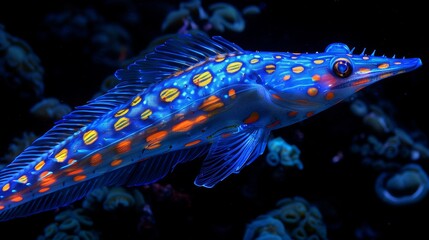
x=314, y=82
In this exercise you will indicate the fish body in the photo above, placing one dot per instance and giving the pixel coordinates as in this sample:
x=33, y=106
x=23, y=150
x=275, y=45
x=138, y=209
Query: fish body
x=193, y=96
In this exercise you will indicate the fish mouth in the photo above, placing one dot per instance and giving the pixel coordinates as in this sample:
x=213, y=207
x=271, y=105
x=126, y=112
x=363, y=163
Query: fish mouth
x=395, y=68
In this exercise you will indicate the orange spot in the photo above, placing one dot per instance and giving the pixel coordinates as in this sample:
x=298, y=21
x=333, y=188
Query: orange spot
x=183, y=126
x=286, y=77
x=225, y=135
x=39, y=165
x=153, y=146
x=254, y=116
x=157, y=137
x=79, y=178
x=211, y=103
x=45, y=174
x=312, y=91
x=329, y=96
x=6, y=187
x=192, y=143
x=360, y=82
x=383, y=66
x=292, y=113
x=42, y=190
x=219, y=57
x=16, y=198
x=309, y=114
x=364, y=70
x=95, y=159
x=315, y=77
x=231, y=93
x=200, y=119
x=75, y=172
x=270, y=68
x=275, y=96
x=318, y=61
x=273, y=124
x=123, y=146
x=298, y=69
x=47, y=181
x=1, y=207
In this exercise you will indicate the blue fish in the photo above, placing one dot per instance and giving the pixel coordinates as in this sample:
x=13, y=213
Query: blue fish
x=193, y=96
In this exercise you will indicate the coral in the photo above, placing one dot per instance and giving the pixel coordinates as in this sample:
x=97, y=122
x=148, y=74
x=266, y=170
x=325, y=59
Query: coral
x=50, y=108
x=70, y=224
x=20, y=67
x=408, y=185
x=113, y=199
x=280, y=152
x=17, y=146
x=299, y=218
x=220, y=17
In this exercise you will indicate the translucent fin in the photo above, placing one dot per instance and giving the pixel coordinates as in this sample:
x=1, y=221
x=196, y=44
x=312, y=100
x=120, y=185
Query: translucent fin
x=229, y=155
x=155, y=168
x=174, y=55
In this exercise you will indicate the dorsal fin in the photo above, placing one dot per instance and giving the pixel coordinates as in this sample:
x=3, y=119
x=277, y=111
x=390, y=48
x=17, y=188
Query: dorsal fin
x=176, y=54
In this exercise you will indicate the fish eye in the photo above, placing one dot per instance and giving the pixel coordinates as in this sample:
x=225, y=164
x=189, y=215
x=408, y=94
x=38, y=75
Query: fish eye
x=342, y=67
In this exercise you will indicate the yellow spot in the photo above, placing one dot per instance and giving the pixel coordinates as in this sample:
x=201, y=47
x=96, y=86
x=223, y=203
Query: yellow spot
x=292, y=113
x=318, y=61
x=234, y=67
x=383, y=66
x=315, y=77
x=211, y=103
x=278, y=57
x=329, y=96
x=231, y=93
x=6, y=187
x=202, y=79
x=23, y=179
x=79, y=178
x=254, y=60
x=254, y=116
x=16, y=198
x=297, y=69
x=312, y=91
x=219, y=57
x=270, y=68
x=90, y=137
x=183, y=126
x=121, y=123
x=136, y=101
x=95, y=159
x=123, y=147
x=286, y=77
x=39, y=165
x=62, y=155
x=156, y=137
x=121, y=112
x=145, y=115
x=192, y=143
x=169, y=94
x=364, y=70
x=45, y=189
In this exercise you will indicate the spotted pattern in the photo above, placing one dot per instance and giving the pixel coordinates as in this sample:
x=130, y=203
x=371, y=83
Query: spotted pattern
x=169, y=94
x=234, y=67
x=203, y=79
x=90, y=137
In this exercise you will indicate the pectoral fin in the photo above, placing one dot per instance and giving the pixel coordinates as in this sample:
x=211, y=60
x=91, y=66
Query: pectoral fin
x=229, y=155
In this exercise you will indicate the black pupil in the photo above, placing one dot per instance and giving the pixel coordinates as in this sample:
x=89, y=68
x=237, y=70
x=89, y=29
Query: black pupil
x=342, y=68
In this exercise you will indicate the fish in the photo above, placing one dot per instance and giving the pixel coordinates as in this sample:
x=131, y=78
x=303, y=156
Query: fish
x=193, y=97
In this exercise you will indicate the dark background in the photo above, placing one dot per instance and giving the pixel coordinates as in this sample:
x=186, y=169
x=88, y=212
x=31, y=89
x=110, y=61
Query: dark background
x=344, y=192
